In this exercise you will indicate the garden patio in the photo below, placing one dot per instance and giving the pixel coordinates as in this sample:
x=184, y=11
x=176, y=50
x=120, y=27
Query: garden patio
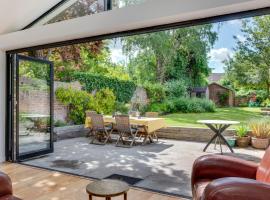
x=163, y=167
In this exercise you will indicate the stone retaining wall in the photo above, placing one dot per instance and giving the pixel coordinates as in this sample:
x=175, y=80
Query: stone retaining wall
x=189, y=134
x=67, y=132
x=176, y=133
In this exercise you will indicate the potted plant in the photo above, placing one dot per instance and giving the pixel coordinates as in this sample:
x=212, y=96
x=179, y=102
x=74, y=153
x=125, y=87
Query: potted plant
x=260, y=133
x=242, y=138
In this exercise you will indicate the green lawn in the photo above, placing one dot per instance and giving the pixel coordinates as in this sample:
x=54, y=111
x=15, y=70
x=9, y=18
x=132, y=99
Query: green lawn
x=190, y=120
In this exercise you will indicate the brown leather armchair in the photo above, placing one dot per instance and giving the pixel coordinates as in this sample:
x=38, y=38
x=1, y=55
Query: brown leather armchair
x=217, y=177
x=6, y=188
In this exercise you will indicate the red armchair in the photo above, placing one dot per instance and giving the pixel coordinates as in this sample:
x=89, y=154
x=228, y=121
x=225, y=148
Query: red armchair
x=6, y=188
x=217, y=177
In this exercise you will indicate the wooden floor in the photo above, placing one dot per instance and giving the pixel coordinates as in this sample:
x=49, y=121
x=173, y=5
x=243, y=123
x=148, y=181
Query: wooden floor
x=37, y=184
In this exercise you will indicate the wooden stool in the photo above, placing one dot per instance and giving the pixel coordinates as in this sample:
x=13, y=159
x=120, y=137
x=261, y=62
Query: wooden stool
x=107, y=188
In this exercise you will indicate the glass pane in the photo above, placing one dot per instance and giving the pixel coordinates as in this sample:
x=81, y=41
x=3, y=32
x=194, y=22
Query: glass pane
x=34, y=106
x=124, y=3
x=78, y=8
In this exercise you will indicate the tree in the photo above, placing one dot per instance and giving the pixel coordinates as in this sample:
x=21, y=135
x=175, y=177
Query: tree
x=191, y=61
x=173, y=54
x=250, y=67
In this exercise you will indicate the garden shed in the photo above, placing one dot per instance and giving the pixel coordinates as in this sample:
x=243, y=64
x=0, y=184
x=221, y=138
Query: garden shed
x=222, y=96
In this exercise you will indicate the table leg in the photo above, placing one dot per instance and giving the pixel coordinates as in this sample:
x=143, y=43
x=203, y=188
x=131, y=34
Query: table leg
x=125, y=196
x=108, y=198
x=218, y=133
x=214, y=137
x=145, y=140
x=221, y=130
x=219, y=140
x=90, y=197
x=225, y=141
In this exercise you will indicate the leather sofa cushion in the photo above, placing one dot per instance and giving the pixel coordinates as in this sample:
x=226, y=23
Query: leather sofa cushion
x=199, y=188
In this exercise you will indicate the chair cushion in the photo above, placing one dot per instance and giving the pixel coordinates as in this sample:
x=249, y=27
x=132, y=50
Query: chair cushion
x=199, y=188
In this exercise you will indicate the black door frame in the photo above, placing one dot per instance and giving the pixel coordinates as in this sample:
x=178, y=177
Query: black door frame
x=10, y=60
x=12, y=138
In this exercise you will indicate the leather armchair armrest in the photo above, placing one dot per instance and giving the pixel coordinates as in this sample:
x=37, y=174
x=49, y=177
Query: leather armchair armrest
x=236, y=189
x=5, y=185
x=218, y=166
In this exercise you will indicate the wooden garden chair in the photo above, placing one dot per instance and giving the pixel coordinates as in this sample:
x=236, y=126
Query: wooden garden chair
x=142, y=128
x=89, y=114
x=125, y=131
x=100, y=131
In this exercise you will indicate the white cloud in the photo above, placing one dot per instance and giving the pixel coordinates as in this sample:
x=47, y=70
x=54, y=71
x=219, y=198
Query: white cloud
x=117, y=56
x=241, y=38
x=220, y=55
x=236, y=22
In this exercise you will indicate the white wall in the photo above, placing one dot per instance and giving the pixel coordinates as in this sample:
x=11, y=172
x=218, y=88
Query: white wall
x=151, y=13
x=2, y=104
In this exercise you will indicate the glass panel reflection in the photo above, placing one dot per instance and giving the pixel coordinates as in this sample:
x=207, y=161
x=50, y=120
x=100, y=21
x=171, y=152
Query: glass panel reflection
x=34, y=106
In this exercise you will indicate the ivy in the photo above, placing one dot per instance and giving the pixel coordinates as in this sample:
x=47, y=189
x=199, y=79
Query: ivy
x=123, y=89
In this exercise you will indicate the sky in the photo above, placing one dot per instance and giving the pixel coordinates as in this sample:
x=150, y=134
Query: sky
x=222, y=49
x=224, y=46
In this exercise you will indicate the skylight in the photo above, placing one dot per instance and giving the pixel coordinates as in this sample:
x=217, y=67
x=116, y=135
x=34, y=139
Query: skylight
x=70, y=9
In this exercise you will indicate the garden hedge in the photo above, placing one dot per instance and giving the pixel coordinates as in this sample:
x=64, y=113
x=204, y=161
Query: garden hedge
x=122, y=89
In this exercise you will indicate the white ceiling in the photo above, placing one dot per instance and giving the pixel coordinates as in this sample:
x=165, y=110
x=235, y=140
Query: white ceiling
x=16, y=14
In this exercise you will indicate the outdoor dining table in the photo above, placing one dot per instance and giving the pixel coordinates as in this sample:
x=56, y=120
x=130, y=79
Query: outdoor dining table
x=218, y=127
x=151, y=125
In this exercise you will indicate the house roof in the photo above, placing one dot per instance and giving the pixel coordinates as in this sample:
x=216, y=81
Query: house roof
x=215, y=77
x=220, y=86
x=199, y=89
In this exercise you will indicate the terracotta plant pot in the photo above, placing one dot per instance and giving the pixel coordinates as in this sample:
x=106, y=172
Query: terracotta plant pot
x=259, y=143
x=243, y=141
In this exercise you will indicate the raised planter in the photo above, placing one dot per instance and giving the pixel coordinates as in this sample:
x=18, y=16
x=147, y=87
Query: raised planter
x=243, y=141
x=67, y=132
x=259, y=143
x=190, y=134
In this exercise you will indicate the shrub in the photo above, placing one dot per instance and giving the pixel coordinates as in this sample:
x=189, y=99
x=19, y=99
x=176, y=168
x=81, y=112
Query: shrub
x=60, y=123
x=185, y=105
x=121, y=107
x=266, y=103
x=104, y=101
x=121, y=88
x=80, y=101
x=260, y=127
x=176, y=88
x=223, y=98
x=155, y=92
x=77, y=101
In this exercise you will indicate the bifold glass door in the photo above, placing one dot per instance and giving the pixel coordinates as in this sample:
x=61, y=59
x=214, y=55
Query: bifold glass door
x=33, y=105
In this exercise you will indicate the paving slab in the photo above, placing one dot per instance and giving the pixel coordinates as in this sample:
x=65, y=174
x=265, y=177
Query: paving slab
x=164, y=167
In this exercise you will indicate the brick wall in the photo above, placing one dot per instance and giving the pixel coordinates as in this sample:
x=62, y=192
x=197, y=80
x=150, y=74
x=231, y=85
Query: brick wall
x=38, y=101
